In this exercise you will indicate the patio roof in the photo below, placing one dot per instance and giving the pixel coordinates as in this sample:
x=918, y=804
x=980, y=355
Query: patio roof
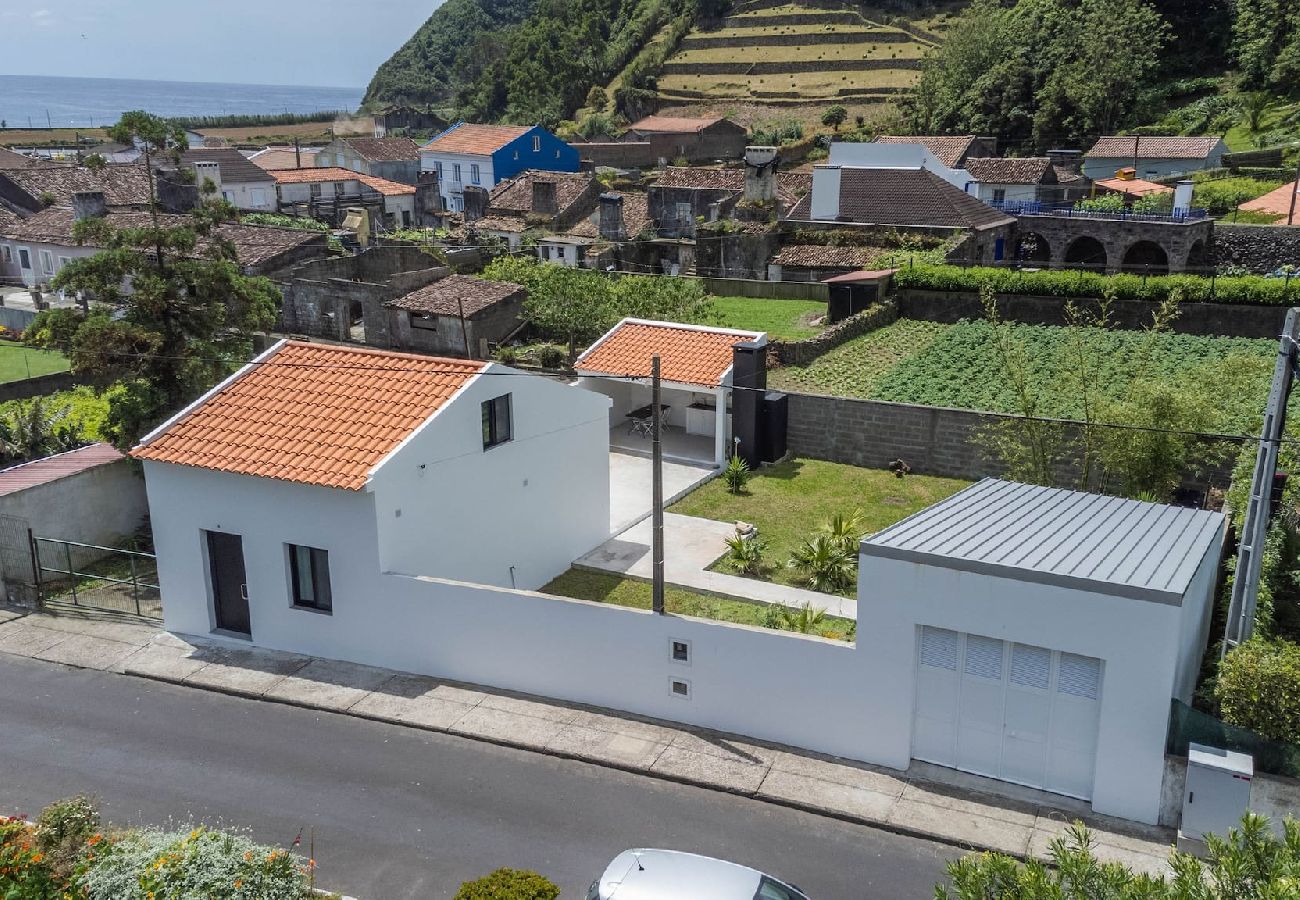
x=695, y=355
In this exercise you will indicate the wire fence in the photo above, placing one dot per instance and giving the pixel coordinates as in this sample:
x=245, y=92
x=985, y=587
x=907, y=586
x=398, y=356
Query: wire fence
x=1191, y=726
x=105, y=578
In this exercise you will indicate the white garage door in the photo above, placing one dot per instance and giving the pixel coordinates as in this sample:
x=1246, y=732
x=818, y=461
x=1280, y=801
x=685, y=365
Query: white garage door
x=1010, y=711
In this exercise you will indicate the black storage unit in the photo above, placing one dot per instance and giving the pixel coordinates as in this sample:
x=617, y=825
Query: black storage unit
x=846, y=298
x=776, y=415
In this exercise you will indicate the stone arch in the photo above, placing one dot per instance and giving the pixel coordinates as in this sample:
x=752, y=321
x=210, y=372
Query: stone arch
x=1086, y=252
x=1032, y=247
x=1147, y=258
x=1198, y=258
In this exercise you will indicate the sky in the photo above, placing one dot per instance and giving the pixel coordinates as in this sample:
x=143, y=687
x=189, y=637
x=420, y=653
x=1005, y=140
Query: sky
x=332, y=43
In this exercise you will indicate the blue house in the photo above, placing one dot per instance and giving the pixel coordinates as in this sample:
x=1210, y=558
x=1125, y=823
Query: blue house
x=483, y=155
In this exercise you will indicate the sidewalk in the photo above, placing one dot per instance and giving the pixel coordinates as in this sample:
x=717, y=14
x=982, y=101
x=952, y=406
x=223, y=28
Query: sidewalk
x=696, y=544
x=925, y=801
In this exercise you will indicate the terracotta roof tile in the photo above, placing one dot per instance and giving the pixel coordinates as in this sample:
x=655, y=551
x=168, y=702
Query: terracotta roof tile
x=384, y=149
x=636, y=218
x=312, y=414
x=816, y=256
x=52, y=468
x=688, y=354
x=447, y=296
x=515, y=194
x=11, y=160
x=475, y=140
x=308, y=175
x=673, y=124
x=1011, y=170
x=235, y=168
x=282, y=158
x=789, y=185
x=1152, y=147
x=122, y=185
x=948, y=149
x=905, y=197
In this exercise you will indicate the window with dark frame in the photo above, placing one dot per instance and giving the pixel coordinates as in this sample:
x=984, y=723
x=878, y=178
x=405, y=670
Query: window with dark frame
x=498, y=426
x=310, y=575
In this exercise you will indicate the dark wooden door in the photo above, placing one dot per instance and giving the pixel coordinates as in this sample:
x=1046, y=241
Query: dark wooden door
x=229, y=583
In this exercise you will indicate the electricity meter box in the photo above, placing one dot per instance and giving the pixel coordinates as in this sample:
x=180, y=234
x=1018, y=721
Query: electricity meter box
x=1217, y=793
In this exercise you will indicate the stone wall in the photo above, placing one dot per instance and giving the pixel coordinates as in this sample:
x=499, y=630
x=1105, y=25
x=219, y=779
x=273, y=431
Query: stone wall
x=796, y=40
x=738, y=255
x=619, y=154
x=788, y=67
x=1230, y=320
x=801, y=353
x=1186, y=244
x=767, y=290
x=832, y=18
x=1258, y=248
x=38, y=386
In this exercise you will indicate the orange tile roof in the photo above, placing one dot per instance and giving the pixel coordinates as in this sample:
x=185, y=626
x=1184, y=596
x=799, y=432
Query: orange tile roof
x=1276, y=202
x=688, y=354
x=311, y=174
x=1134, y=187
x=475, y=140
x=312, y=414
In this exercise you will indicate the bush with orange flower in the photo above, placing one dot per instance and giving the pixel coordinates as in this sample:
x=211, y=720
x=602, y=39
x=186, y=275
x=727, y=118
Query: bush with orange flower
x=25, y=872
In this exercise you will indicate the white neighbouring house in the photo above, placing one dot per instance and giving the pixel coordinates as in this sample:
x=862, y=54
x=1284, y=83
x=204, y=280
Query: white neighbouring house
x=283, y=499
x=1038, y=635
x=696, y=367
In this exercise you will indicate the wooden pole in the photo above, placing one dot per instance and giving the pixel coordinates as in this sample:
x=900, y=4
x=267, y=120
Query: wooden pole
x=464, y=329
x=657, y=523
x=1290, y=216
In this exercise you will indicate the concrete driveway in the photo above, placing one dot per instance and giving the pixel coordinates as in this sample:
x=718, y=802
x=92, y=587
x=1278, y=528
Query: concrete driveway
x=630, y=486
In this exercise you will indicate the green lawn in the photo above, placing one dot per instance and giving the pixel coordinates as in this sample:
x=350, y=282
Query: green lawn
x=790, y=500
x=18, y=362
x=604, y=588
x=787, y=320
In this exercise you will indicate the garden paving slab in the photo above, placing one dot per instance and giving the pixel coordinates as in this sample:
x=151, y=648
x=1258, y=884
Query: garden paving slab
x=961, y=826
x=646, y=731
x=710, y=769
x=507, y=727
x=329, y=684
x=724, y=748
x=612, y=748
x=103, y=625
x=827, y=795
x=87, y=652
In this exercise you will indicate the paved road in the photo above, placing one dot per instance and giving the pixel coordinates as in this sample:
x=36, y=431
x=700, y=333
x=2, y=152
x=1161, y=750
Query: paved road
x=400, y=812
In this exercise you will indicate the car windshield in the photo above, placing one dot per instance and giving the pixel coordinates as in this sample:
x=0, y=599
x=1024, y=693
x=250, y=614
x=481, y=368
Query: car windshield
x=769, y=889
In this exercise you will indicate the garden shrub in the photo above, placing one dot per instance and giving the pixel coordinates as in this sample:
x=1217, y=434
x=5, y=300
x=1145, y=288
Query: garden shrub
x=745, y=555
x=509, y=884
x=1253, y=290
x=63, y=830
x=25, y=873
x=736, y=474
x=1259, y=689
x=825, y=564
x=151, y=864
x=551, y=356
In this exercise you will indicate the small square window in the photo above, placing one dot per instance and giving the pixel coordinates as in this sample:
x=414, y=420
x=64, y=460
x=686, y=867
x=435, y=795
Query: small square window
x=498, y=424
x=310, y=576
x=681, y=651
x=679, y=687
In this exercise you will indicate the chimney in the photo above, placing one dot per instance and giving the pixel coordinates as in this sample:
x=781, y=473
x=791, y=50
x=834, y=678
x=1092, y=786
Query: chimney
x=611, y=217
x=1068, y=160
x=749, y=371
x=1183, y=197
x=428, y=199
x=205, y=172
x=476, y=199
x=544, y=198
x=825, y=204
x=760, y=174
x=89, y=205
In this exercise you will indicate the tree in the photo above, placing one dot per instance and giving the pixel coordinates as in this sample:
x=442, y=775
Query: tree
x=1249, y=863
x=597, y=98
x=35, y=428
x=1259, y=688
x=834, y=116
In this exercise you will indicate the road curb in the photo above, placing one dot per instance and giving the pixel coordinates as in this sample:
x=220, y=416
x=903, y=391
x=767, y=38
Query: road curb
x=890, y=827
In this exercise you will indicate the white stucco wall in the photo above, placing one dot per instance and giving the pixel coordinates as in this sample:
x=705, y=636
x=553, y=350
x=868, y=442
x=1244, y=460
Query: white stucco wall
x=534, y=503
x=450, y=186
x=1137, y=640
x=985, y=191
x=895, y=156
x=253, y=196
x=1148, y=168
x=1194, y=632
x=37, y=274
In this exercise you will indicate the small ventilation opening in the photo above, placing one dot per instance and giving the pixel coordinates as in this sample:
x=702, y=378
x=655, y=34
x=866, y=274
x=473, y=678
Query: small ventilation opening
x=681, y=688
x=681, y=651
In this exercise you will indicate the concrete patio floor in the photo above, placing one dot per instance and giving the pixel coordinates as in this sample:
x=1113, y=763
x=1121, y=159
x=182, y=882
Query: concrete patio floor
x=631, y=486
x=926, y=801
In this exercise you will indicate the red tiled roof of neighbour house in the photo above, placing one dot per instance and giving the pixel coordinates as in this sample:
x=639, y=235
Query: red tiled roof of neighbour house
x=515, y=194
x=122, y=185
x=475, y=140
x=1010, y=170
x=948, y=149
x=819, y=257
x=282, y=158
x=1134, y=187
x=1276, y=202
x=11, y=160
x=1152, y=147
x=1065, y=176
x=311, y=414
x=688, y=354
x=673, y=124
x=790, y=186
x=384, y=149
x=52, y=468
x=321, y=174
x=509, y=224
x=905, y=197
x=457, y=294
x=636, y=218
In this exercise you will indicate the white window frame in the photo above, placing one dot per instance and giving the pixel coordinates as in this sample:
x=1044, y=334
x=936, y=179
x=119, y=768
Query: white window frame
x=259, y=196
x=455, y=172
x=474, y=175
x=437, y=167
x=47, y=262
x=537, y=143
x=63, y=261
x=7, y=253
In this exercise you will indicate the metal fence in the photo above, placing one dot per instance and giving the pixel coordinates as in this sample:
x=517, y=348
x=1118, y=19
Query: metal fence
x=1070, y=211
x=88, y=575
x=1191, y=726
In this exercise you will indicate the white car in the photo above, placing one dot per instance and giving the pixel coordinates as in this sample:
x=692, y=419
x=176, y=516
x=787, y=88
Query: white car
x=672, y=875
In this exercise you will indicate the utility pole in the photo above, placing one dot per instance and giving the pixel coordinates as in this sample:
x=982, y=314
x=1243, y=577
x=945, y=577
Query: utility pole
x=297, y=154
x=1137, y=139
x=464, y=329
x=657, y=521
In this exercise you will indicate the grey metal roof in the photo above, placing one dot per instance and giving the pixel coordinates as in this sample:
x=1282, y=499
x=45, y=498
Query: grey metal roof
x=1110, y=545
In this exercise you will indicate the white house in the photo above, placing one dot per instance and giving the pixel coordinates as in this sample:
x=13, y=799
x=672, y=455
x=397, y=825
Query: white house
x=280, y=498
x=1156, y=156
x=243, y=184
x=696, y=364
x=1037, y=635
x=485, y=155
x=1005, y=179
x=896, y=155
x=304, y=191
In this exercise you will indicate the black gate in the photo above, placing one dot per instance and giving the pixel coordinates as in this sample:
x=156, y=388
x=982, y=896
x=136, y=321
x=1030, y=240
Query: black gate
x=88, y=575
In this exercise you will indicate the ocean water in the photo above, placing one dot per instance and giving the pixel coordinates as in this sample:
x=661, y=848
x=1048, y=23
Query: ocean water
x=27, y=100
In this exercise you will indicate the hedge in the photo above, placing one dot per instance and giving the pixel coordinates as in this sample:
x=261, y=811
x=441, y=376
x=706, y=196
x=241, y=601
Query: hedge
x=1259, y=689
x=509, y=884
x=1245, y=289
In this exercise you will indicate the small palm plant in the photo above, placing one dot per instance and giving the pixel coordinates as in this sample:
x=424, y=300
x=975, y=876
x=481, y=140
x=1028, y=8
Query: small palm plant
x=736, y=474
x=845, y=530
x=745, y=554
x=825, y=564
x=803, y=619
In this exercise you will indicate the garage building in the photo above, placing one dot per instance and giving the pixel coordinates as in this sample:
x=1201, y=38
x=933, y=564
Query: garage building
x=1037, y=635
